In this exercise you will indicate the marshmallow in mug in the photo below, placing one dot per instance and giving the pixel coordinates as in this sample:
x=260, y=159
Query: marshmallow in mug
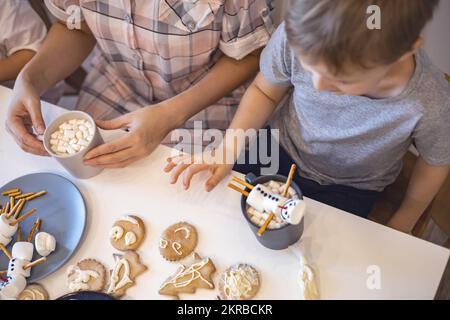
x=72, y=136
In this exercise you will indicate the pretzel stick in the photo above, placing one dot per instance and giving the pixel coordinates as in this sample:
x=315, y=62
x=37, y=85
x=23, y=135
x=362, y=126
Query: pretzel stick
x=3, y=272
x=19, y=209
x=6, y=208
x=8, y=192
x=14, y=194
x=284, y=194
x=36, y=195
x=12, y=203
x=26, y=215
x=19, y=234
x=243, y=192
x=5, y=251
x=17, y=205
x=35, y=263
x=244, y=183
x=35, y=228
x=25, y=195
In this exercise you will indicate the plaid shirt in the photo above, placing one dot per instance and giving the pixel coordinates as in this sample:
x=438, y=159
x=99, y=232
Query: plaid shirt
x=149, y=51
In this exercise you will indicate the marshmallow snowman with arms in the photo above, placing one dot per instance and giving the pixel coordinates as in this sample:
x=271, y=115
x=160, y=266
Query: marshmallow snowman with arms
x=262, y=199
x=22, y=254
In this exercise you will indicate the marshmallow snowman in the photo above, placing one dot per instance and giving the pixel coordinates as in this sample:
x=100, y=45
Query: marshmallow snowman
x=22, y=253
x=6, y=230
x=262, y=199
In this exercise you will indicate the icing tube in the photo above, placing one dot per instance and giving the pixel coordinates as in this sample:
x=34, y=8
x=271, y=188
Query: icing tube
x=11, y=289
x=5, y=240
x=23, y=250
x=5, y=229
x=15, y=268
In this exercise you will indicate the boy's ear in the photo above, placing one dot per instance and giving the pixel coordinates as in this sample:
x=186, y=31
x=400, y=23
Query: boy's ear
x=416, y=45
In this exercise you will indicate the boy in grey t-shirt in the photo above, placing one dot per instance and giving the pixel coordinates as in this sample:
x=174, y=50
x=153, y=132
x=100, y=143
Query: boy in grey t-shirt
x=360, y=98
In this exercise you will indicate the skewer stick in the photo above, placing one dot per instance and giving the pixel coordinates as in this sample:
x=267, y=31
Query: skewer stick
x=284, y=194
x=35, y=263
x=5, y=251
x=19, y=209
x=36, y=195
x=24, y=195
x=8, y=192
x=244, y=183
x=26, y=215
x=243, y=192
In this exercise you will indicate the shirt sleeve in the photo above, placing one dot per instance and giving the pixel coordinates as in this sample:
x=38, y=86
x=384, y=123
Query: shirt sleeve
x=276, y=59
x=59, y=8
x=432, y=133
x=23, y=29
x=247, y=26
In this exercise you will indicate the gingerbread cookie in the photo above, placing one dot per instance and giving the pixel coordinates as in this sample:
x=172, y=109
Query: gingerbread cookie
x=87, y=275
x=178, y=241
x=189, y=279
x=34, y=292
x=127, y=233
x=239, y=282
x=128, y=267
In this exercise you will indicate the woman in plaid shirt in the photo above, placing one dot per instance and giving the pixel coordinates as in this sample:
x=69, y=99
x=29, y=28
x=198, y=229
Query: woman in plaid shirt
x=159, y=65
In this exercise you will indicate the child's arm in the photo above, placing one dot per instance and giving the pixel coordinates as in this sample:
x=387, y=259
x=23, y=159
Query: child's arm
x=257, y=105
x=11, y=66
x=426, y=180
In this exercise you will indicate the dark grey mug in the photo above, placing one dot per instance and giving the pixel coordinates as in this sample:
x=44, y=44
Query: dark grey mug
x=276, y=239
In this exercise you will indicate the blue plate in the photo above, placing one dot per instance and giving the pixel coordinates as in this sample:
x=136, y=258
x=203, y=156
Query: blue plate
x=63, y=214
x=86, y=295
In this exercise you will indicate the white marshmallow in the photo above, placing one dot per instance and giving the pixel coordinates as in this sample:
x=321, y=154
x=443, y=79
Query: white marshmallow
x=45, y=243
x=5, y=240
x=5, y=229
x=23, y=250
x=72, y=137
x=16, y=268
x=11, y=289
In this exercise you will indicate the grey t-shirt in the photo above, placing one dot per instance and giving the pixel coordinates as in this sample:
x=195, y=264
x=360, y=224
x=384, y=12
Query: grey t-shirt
x=354, y=140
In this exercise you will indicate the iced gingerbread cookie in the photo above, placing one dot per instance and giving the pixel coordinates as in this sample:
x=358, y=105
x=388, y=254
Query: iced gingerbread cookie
x=128, y=267
x=189, y=279
x=239, y=282
x=34, y=292
x=178, y=241
x=127, y=233
x=87, y=275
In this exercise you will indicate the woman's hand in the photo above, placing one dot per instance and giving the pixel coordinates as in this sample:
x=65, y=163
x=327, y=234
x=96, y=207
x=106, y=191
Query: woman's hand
x=24, y=114
x=188, y=166
x=146, y=127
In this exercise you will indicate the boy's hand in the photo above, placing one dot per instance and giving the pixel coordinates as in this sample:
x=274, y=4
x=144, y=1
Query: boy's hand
x=24, y=114
x=188, y=167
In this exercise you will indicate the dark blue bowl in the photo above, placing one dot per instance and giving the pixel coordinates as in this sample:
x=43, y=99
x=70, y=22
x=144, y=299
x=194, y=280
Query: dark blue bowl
x=276, y=239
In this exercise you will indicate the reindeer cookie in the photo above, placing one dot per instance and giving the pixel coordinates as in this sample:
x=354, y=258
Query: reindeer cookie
x=178, y=241
x=128, y=267
x=127, y=233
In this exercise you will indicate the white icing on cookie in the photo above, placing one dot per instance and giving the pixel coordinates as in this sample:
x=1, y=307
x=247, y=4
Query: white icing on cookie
x=163, y=243
x=129, y=219
x=130, y=238
x=186, y=230
x=32, y=294
x=192, y=273
x=116, y=232
x=116, y=282
x=79, y=282
x=176, y=246
x=239, y=282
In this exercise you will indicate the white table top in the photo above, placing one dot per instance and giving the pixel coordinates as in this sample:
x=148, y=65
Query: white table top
x=340, y=245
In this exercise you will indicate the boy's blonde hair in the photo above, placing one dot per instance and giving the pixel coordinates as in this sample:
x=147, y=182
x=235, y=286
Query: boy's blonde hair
x=335, y=31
